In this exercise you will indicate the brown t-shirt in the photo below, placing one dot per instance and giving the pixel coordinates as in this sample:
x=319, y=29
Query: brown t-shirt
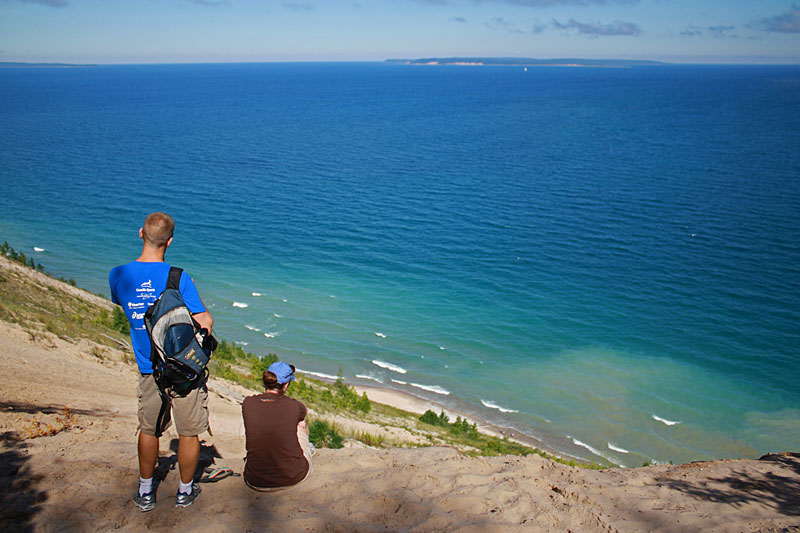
x=274, y=457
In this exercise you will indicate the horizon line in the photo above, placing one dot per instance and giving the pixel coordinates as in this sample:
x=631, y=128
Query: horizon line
x=412, y=61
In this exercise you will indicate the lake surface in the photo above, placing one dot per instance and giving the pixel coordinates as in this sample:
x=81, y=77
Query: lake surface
x=603, y=259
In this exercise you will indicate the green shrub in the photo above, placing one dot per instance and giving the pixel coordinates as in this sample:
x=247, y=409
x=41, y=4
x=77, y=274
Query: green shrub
x=433, y=419
x=462, y=427
x=324, y=435
x=346, y=397
x=260, y=364
x=119, y=322
x=369, y=439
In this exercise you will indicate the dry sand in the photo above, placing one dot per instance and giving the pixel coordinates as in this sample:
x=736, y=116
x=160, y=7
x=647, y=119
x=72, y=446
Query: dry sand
x=83, y=478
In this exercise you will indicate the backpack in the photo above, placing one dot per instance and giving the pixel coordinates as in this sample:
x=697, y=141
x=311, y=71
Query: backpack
x=179, y=348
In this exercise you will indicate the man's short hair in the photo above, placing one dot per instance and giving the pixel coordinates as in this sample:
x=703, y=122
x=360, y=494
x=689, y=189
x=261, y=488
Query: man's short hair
x=158, y=229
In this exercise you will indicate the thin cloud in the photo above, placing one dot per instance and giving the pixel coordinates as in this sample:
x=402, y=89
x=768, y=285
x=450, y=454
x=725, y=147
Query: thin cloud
x=458, y=19
x=598, y=29
x=720, y=32
x=538, y=28
x=717, y=32
x=788, y=22
x=551, y=3
x=298, y=6
x=499, y=23
x=531, y=3
x=211, y=3
x=48, y=3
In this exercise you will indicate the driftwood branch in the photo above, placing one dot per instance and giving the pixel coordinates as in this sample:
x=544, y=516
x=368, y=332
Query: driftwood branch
x=121, y=342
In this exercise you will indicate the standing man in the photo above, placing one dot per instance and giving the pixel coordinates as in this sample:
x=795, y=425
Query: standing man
x=135, y=286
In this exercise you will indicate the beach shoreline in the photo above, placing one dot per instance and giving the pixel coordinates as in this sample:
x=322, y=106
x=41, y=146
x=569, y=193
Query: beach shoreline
x=409, y=402
x=68, y=426
x=412, y=403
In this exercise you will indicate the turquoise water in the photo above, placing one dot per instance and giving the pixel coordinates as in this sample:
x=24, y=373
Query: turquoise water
x=604, y=259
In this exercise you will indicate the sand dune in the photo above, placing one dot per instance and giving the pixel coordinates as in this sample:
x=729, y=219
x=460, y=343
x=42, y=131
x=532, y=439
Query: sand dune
x=83, y=478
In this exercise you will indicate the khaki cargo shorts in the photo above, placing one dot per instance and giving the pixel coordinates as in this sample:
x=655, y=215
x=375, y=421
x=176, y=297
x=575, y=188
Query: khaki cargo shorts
x=190, y=412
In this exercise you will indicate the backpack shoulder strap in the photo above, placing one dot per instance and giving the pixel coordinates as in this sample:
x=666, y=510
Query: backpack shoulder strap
x=174, y=279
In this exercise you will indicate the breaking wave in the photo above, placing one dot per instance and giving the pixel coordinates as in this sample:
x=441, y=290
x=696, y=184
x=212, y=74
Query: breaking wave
x=389, y=366
x=493, y=405
x=665, y=421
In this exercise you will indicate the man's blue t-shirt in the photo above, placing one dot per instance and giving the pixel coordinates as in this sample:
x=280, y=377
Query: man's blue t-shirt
x=135, y=286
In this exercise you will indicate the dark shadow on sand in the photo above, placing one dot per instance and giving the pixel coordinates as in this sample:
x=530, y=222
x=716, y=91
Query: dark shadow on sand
x=29, y=408
x=20, y=499
x=208, y=457
x=772, y=489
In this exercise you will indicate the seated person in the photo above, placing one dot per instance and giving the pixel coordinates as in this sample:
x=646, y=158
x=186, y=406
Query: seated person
x=276, y=434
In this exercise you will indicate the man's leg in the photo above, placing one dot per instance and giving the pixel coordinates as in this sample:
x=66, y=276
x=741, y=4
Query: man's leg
x=188, y=455
x=148, y=455
x=191, y=419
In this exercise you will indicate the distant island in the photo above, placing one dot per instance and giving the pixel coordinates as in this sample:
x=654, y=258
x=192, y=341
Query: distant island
x=50, y=65
x=527, y=62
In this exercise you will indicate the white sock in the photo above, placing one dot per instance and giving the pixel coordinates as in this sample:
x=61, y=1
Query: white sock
x=185, y=488
x=145, y=485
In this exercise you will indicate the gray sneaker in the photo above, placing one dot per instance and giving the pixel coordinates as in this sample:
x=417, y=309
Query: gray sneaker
x=146, y=502
x=185, y=500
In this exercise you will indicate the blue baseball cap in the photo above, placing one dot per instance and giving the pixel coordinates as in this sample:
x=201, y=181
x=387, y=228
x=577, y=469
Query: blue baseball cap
x=284, y=372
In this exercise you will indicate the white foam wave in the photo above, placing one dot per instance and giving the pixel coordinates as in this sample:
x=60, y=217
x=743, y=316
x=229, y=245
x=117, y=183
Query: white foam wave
x=665, y=421
x=432, y=388
x=37, y=249
x=379, y=334
x=257, y=294
x=252, y=328
x=369, y=376
x=399, y=382
x=284, y=300
x=612, y=446
x=587, y=446
x=276, y=315
x=239, y=304
x=318, y=374
x=442, y=348
x=272, y=334
x=242, y=343
x=493, y=405
x=389, y=366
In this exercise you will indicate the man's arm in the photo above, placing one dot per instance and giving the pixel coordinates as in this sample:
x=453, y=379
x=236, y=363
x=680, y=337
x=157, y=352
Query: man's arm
x=204, y=319
x=193, y=301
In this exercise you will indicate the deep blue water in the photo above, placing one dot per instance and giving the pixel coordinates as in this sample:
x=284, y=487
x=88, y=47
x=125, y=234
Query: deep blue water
x=583, y=255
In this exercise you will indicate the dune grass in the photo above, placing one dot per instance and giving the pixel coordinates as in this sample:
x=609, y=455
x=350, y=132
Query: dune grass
x=43, y=309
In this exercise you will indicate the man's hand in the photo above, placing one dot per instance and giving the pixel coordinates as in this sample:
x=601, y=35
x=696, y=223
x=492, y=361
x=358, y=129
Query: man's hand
x=205, y=320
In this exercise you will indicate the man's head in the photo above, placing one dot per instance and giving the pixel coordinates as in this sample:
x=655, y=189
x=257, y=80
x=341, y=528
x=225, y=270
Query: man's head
x=157, y=230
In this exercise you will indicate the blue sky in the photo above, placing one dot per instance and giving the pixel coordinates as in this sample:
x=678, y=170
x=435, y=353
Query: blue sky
x=168, y=31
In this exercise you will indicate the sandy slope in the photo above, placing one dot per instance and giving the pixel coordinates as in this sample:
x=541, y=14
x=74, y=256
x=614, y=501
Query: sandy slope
x=82, y=479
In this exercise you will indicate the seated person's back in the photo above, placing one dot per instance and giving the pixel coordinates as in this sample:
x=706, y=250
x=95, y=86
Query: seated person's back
x=278, y=451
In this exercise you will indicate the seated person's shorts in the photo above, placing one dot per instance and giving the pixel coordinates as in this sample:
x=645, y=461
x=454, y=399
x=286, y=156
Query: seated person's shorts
x=190, y=412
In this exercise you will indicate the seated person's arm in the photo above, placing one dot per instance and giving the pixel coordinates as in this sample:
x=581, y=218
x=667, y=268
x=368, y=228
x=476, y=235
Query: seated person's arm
x=302, y=425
